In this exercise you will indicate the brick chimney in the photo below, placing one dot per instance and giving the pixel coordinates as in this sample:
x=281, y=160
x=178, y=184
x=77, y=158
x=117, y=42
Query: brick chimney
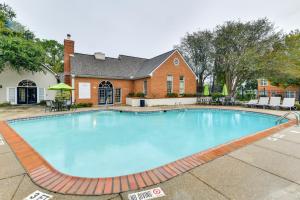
x=68, y=52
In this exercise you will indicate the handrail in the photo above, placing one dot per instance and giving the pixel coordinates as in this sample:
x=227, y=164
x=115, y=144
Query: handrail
x=297, y=115
x=180, y=104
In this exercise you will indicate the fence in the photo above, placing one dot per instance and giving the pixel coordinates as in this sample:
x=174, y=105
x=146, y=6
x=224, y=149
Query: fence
x=279, y=93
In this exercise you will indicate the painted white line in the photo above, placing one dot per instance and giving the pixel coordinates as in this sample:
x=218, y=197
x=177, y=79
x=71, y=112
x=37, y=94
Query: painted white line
x=279, y=135
x=294, y=132
x=38, y=195
x=272, y=139
x=1, y=141
x=147, y=194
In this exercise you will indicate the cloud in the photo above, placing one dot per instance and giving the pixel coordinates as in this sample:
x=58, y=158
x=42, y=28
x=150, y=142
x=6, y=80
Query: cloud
x=142, y=27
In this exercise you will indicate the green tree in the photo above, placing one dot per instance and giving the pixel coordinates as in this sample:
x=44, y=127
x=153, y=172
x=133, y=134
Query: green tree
x=240, y=48
x=20, y=54
x=198, y=50
x=283, y=63
x=6, y=14
x=19, y=50
x=54, y=54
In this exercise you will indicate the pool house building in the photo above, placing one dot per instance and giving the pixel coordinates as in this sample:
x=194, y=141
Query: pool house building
x=100, y=80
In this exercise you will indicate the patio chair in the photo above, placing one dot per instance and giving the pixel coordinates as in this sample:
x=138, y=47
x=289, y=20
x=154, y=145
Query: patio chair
x=73, y=105
x=263, y=102
x=274, y=102
x=229, y=101
x=251, y=103
x=288, y=103
x=221, y=100
x=67, y=105
x=49, y=106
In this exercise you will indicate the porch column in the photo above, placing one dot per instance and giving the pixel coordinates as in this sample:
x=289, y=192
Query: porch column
x=73, y=86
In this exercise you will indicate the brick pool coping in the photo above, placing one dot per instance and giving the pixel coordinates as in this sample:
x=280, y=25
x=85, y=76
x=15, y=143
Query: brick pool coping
x=47, y=177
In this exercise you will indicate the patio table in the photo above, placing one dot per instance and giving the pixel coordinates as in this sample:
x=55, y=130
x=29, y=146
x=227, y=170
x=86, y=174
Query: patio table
x=58, y=105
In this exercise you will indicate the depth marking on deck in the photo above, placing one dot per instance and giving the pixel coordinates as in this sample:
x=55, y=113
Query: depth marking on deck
x=294, y=132
x=279, y=135
x=38, y=195
x=1, y=141
x=273, y=139
x=147, y=194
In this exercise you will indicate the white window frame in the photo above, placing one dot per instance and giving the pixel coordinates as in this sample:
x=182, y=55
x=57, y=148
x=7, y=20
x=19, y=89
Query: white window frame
x=116, y=102
x=87, y=93
x=145, y=89
x=7, y=95
x=263, y=82
x=170, y=78
x=38, y=94
x=288, y=94
x=181, y=90
x=262, y=92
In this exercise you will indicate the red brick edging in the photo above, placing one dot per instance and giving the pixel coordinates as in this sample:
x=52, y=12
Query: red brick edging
x=44, y=175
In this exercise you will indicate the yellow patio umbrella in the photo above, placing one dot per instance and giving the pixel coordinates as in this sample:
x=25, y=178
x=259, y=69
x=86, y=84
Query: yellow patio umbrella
x=225, y=91
x=61, y=87
x=206, y=90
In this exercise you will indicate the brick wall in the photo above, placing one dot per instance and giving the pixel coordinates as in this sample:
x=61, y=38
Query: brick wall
x=125, y=85
x=269, y=89
x=68, y=50
x=157, y=84
x=159, y=78
x=138, y=85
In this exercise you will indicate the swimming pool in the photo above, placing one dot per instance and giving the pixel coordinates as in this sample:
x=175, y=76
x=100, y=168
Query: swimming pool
x=111, y=143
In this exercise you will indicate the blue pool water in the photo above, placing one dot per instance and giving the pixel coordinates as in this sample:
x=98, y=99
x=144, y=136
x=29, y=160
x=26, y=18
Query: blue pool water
x=110, y=143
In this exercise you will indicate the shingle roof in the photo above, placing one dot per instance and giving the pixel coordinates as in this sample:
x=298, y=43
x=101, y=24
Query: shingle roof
x=123, y=67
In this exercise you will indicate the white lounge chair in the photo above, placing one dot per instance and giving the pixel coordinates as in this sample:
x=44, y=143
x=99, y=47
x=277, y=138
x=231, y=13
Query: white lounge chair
x=251, y=103
x=288, y=103
x=263, y=101
x=274, y=102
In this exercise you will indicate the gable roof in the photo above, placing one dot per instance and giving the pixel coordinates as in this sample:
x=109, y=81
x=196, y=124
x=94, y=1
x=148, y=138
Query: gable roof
x=123, y=67
x=49, y=69
x=151, y=64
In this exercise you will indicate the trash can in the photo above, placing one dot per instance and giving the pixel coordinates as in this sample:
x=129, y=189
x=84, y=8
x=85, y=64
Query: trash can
x=142, y=103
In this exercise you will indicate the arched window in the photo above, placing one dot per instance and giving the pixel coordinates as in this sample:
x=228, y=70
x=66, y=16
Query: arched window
x=106, y=92
x=27, y=83
x=105, y=84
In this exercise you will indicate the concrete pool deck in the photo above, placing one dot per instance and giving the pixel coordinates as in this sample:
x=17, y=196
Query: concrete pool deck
x=266, y=169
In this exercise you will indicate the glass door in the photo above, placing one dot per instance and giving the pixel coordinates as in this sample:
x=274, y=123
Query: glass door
x=21, y=95
x=105, y=93
x=109, y=95
x=31, y=95
x=102, y=96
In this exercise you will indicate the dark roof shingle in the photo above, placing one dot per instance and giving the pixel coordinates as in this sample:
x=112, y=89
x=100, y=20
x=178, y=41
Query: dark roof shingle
x=123, y=67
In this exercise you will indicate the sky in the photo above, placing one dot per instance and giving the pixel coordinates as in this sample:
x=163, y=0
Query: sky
x=142, y=28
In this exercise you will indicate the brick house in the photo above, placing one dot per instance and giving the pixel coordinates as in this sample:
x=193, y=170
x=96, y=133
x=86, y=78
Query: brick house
x=99, y=79
x=265, y=88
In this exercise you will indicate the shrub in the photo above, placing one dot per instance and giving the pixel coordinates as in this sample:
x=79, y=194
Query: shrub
x=189, y=95
x=131, y=94
x=42, y=103
x=172, y=95
x=216, y=96
x=297, y=106
x=140, y=94
x=83, y=105
x=6, y=104
x=61, y=96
